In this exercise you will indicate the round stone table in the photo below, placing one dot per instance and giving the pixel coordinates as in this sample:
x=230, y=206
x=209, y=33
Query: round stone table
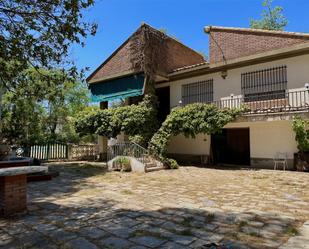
x=13, y=188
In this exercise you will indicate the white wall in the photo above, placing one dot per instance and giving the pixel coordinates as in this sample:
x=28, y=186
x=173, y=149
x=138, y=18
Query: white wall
x=266, y=139
x=182, y=145
x=297, y=71
x=269, y=137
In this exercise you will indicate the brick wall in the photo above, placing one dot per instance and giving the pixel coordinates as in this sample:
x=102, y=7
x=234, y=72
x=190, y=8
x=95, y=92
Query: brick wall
x=13, y=194
x=118, y=63
x=178, y=55
x=235, y=43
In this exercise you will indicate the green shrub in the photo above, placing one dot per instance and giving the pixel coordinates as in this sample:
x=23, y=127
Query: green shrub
x=139, y=122
x=190, y=121
x=301, y=129
x=122, y=163
x=171, y=163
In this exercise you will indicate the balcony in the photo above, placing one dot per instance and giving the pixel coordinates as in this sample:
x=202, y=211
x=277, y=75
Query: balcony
x=292, y=100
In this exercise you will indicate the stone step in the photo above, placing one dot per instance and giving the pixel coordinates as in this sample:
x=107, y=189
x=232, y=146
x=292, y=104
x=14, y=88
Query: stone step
x=152, y=169
x=150, y=164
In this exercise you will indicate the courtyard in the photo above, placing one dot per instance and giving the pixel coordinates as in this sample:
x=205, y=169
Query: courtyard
x=88, y=207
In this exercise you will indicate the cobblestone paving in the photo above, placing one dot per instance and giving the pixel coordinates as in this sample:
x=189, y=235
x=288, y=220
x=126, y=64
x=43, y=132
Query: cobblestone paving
x=88, y=208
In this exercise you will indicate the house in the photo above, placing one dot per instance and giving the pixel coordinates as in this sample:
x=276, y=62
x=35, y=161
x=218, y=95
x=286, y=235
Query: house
x=266, y=71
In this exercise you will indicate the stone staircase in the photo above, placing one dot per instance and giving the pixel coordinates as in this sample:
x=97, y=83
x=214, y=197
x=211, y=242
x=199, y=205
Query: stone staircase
x=136, y=151
x=152, y=164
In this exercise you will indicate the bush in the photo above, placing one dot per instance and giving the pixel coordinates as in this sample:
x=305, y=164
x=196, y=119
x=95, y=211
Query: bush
x=301, y=129
x=139, y=122
x=191, y=120
x=171, y=163
x=122, y=164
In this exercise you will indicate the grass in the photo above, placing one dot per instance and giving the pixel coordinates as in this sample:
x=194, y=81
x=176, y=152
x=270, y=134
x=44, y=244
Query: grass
x=254, y=234
x=84, y=170
x=242, y=224
x=186, y=232
x=291, y=230
x=126, y=192
x=260, y=177
x=147, y=233
x=187, y=221
x=210, y=217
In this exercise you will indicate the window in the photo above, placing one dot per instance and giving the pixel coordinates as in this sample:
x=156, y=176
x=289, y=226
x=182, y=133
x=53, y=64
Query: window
x=201, y=91
x=264, y=84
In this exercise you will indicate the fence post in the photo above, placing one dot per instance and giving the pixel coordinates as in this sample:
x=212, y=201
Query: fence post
x=67, y=151
x=47, y=153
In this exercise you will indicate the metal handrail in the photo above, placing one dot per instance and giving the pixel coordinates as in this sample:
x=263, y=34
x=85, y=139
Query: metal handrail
x=127, y=149
x=281, y=101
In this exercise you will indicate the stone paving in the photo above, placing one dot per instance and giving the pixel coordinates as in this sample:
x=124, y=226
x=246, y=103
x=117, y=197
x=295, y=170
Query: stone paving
x=89, y=208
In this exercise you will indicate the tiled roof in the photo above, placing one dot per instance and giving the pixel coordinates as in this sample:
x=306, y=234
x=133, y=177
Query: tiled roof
x=207, y=29
x=191, y=66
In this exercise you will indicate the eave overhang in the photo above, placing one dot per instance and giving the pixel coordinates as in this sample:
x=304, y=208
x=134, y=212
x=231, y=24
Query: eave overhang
x=277, y=54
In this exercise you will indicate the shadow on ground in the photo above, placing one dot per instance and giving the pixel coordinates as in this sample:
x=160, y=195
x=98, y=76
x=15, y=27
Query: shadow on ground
x=101, y=223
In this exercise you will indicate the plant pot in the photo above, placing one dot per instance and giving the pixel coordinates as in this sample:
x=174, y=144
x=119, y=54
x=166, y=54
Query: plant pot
x=301, y=160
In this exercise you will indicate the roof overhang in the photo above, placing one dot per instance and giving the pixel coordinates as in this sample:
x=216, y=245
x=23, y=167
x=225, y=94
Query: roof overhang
x=113, y=77
x=208, y=29
x=277, y=54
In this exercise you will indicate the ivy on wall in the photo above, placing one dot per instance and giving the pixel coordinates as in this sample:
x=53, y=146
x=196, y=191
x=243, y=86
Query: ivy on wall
x=301, y=129
x=137, y=121
x=140, y=124
x=190, y=121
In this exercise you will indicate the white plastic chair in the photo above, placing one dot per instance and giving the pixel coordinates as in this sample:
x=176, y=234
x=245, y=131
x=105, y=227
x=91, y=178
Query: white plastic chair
x=280, y=158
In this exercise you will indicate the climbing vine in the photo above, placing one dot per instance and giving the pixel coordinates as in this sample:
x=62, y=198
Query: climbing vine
x=301, y=129
x=140, y=122
x=190, y=121
x=136, y=121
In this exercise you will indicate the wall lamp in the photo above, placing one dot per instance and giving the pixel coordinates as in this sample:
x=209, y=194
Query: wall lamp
x=224, y=74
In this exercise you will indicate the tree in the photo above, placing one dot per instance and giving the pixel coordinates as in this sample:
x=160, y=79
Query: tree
x=39, y=33
x=43, y=111
x=272, y=18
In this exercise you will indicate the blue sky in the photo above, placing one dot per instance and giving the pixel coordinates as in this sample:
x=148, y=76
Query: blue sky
x=184, y=19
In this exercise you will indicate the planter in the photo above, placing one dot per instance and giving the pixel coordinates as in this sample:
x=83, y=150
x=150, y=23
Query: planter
x=122, y=164
x=301, y=161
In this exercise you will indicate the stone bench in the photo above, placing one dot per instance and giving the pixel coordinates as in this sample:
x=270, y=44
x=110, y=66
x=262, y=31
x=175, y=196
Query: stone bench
x=13, y=188
x=15, y=163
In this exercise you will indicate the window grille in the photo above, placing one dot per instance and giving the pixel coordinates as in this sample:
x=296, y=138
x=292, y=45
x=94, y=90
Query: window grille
x=198, y=92
x=264, y=84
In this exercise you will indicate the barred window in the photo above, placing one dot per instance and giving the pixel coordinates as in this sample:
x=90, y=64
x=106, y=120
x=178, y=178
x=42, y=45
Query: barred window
x=264, y=84
x=198, y=92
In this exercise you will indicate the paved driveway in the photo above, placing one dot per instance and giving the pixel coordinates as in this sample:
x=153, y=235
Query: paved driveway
x=86, y=207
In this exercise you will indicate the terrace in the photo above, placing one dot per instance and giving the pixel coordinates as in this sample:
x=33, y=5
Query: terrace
x=293, y=100
x=88, y=207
